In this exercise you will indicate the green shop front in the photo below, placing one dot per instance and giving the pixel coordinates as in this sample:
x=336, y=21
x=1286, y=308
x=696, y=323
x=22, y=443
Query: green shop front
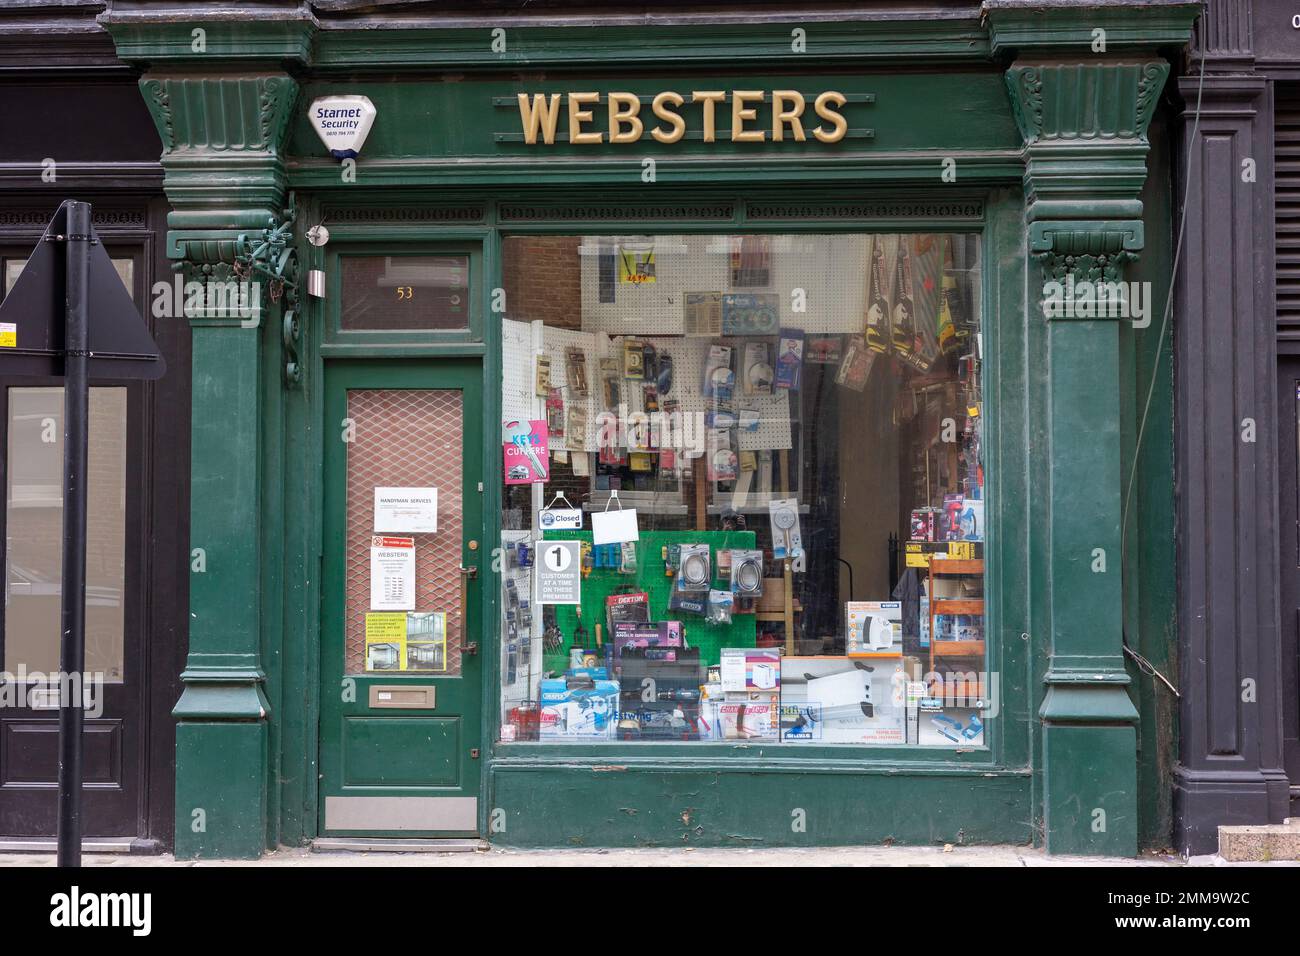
x=657, y=435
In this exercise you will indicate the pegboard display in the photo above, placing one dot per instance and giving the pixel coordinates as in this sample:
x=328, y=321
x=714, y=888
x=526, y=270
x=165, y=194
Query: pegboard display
x=657, y=306
x=773, y=428
x=688, y=355
x=650, y=578
x=832, y=272
x=518, y=401
x=555, y=346
x=526, y=645
x=829, y=275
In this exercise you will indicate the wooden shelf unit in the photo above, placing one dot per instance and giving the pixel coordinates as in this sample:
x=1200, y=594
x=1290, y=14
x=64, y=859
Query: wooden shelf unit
x=970, y=606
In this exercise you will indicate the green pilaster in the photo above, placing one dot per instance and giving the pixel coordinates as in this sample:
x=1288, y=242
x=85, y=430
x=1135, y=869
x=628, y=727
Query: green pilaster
x=1079, y=174
x=1083, y=102
x=222, y=135
x=223, y=710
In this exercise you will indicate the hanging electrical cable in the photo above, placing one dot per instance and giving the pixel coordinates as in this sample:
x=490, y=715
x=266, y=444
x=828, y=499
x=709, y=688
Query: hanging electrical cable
x=1143, y=664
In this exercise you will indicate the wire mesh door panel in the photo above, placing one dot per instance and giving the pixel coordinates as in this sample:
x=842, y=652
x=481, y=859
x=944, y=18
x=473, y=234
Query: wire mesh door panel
x=406, y=438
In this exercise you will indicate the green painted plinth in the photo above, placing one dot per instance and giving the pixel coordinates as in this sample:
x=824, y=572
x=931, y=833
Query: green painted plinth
x=1090, y=789
x=221, y=789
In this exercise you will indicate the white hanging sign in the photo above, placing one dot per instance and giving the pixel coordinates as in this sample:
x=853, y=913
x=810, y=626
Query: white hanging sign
x=614, y=527
x=551, y=519
x=342, y=123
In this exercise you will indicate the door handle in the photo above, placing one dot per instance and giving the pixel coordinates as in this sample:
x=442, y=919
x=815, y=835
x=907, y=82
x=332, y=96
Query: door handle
x=467, y=574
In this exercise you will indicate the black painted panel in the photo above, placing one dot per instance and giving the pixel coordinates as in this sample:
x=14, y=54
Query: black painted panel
x=70, y=123
x=29, y=753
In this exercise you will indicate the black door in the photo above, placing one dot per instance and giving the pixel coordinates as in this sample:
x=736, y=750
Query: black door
x=1289, y=523
x=114, y=685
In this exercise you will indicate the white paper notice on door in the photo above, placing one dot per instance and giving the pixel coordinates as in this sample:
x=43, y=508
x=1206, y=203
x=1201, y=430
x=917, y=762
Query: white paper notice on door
x=406, y=510
x=392, y=573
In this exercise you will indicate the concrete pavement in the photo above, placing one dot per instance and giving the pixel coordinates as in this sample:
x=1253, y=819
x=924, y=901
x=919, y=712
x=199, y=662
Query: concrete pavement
x=958, y=856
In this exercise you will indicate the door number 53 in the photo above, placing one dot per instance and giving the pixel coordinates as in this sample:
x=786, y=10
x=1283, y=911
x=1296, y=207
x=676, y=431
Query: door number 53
x=405, y=292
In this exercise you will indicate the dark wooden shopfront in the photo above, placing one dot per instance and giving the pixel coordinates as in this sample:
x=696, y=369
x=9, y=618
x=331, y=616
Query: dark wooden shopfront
x=77, y=128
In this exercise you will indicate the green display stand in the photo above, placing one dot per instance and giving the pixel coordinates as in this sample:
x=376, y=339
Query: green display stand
x=651, y=577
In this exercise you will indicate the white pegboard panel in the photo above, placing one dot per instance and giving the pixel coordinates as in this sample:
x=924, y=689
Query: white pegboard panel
x=555, y=344
x=517, y=378
x=773, y=429
x=688, y=355
x=681, y=265
x=833, y=270
x=527, y=683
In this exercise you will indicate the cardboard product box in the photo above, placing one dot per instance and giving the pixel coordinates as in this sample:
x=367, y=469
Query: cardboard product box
x=952, y=587
x=972, y=520
x=856, y=706
x=676, y=678
x=633, y=607
x=962, y=519
x=571, y=713
x=950, y=519
x=872, y=626
x=923, y=524
x=748, y=720
x=801, y=721
x=661, y=634
x=939, y=726
x=708, y=722
x=595, y=673
x=750, y=669
x=886, y=728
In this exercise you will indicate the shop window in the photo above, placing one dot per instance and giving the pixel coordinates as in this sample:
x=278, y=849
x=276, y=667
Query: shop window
x=743, y=490
x=34, y=531
x=405, y=293
x=125, y=270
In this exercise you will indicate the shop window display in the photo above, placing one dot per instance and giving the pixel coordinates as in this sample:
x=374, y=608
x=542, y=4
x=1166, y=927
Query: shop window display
x=743, y=489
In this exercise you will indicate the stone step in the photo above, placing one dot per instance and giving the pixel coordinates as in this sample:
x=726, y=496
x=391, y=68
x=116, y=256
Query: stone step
x=1262, y=843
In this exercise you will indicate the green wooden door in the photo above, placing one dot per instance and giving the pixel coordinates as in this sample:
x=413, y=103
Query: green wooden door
x=401, y=675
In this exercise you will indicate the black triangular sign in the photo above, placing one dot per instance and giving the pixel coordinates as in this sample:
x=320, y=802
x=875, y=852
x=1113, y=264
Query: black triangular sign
x=32, y=316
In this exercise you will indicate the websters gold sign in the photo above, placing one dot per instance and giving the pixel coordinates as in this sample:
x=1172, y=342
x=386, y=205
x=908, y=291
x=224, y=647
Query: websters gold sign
x=756, y=117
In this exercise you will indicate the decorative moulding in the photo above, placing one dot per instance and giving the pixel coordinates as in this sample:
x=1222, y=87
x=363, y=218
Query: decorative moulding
x=1083, y=100
x=1067, y=27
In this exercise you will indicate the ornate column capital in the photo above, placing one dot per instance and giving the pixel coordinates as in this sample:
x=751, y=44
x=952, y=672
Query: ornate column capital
x=223, y=139
x=1084, y=125
x=1084, y=86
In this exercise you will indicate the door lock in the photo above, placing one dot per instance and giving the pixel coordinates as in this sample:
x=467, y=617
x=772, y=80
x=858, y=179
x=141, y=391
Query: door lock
x=469, y=647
